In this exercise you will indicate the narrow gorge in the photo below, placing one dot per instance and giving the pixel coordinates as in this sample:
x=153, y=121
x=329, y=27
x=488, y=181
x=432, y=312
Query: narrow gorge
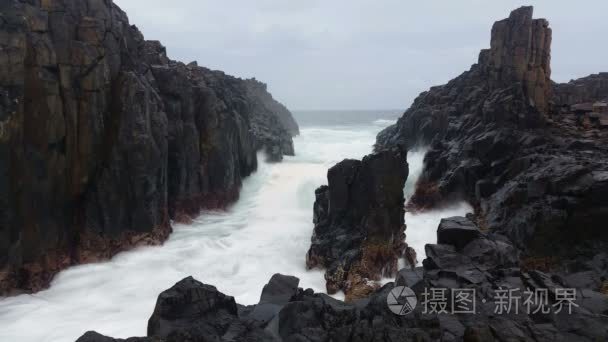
x=494, y=184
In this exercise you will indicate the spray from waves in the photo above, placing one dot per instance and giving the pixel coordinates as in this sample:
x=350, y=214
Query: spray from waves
x=422, y=226
x=384, y=122
x=267, y=231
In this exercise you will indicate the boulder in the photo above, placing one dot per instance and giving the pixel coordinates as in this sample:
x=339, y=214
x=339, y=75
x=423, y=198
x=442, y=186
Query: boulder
x=457, y=231
x=190, y=302
x=197, y=312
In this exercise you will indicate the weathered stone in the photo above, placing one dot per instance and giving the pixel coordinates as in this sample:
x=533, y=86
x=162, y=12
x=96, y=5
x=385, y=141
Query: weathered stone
x=188, y=303
x=359, y=227
x=536, y=182
x=197, y=312
x=104, y=139
x=457, y=231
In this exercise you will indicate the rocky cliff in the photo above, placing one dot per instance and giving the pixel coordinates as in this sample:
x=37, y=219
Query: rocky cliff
x=536, y=239
x=532, y=179
x=104, y=139
x=510, y=85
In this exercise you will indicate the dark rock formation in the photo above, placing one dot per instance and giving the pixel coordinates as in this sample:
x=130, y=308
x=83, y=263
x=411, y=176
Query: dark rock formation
x=486, y=267
x=190, y=303
x=104, y=139
x=457, y=231
x=359, y=227
x=540, y=191
x=510, y=85
x=583, y=90
x=272, y=124
x=532, y=179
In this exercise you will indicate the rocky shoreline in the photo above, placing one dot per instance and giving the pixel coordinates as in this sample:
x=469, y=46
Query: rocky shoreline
x=104, y=140
x=495, y=139
x=497, y=136
x=482, y=264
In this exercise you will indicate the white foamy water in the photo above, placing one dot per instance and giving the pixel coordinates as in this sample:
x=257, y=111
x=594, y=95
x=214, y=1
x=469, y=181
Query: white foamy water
x=267, y=231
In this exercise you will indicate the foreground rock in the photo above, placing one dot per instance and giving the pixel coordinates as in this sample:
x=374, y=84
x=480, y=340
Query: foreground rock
x=487, y=267
x=494, y=141
x=104, y=139
x=359, y=227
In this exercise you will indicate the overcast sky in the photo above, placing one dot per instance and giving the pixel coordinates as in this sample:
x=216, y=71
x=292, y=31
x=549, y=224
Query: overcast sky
x=359, y=54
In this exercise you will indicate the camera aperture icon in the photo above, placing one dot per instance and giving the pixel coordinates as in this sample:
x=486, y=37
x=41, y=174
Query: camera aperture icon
x=401, y=300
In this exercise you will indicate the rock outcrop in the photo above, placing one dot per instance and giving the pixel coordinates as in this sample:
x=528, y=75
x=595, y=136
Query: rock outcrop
x=272, y=124
x=359, y=226
x=531, y=261
x=583, y=90
x=510, y=85
x=540, y=183
x=486, y=268
x=104, y=139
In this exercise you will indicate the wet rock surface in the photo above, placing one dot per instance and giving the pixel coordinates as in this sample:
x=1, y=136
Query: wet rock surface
x=486, y=267
x=583, y=90
x=104, y=139
x=495, y=142
x=359, y=226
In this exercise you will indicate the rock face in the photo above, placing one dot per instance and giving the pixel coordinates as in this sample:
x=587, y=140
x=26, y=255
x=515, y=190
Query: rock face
x=104, y=139
x=510, y=85
x=359, y=227
x=520, y=53
x=583, y=90
x=535, y=180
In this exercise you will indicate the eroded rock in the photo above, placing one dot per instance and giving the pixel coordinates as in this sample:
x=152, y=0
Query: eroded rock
x=104, y=139
x=359, y=226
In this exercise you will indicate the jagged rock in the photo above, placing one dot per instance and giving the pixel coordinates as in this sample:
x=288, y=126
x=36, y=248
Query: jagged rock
x=272, y=124
x=196, y=312
x=538, y=182
x=307, y=316
x=359, y=224
x=190, y=303
x=583, y=90
x=104, y=139
x=279, y=291
x=509, y=84
x=457, y=231
x=520, y=53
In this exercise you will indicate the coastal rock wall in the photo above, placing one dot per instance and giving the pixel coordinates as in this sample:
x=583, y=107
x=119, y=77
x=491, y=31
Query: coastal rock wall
x=583, y=90
x=104, y=139
x=537, y=181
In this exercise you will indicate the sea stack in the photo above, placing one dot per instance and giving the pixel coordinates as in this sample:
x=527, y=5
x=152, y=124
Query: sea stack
x=359, y=233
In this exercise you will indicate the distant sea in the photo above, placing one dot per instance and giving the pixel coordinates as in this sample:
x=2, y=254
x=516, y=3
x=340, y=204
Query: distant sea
x=344, y=117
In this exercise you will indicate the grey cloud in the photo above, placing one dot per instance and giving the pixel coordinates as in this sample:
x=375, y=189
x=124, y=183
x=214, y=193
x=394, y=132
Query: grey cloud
x=359, y=54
